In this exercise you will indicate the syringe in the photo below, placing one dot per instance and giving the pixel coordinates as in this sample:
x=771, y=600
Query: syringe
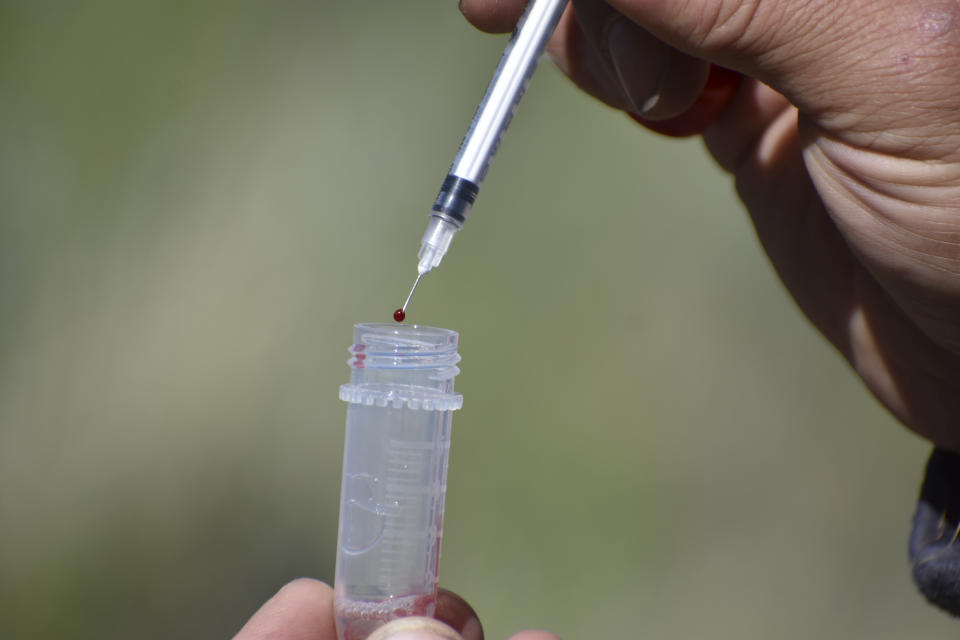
x=510, y=80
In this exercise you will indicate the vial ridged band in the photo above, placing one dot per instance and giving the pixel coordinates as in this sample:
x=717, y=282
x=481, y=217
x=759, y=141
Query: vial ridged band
x=416, y=398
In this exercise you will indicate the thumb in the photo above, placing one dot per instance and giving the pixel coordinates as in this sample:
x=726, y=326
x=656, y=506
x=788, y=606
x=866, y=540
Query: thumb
x=847, y=64
x=415, y=628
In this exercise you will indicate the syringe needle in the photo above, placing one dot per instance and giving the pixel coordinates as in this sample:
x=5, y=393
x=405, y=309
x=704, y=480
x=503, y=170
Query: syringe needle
x=400, y=314
x=410, y=295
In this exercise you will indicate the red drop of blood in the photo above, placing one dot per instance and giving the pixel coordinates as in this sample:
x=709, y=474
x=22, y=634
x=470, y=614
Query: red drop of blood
x=399, y=315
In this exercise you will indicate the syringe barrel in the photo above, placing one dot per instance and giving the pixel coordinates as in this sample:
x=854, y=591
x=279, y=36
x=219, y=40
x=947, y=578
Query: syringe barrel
x=401, y=400
x=507, y=87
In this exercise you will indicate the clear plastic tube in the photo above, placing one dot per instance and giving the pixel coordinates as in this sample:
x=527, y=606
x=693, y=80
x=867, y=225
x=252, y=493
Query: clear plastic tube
x=397, y=445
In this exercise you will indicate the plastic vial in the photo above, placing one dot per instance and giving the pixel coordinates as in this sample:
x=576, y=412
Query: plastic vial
x=395, y=456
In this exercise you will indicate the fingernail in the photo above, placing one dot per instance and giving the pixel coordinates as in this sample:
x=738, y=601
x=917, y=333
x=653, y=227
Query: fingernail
x=414, y=635
x=415, y=628
x=639, y=60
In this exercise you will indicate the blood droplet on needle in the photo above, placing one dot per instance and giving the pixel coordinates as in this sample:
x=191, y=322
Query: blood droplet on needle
x=399, y=315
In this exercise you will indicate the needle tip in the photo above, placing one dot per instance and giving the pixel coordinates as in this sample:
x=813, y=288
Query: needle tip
x=400, y=314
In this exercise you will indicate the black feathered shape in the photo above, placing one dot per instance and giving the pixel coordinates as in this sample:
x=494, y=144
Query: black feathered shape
x=935, y=539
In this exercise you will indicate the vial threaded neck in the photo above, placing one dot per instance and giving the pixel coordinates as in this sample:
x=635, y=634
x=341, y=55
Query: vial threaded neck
x=403, y=366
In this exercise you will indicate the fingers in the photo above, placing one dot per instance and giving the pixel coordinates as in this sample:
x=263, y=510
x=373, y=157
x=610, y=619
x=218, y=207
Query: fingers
x=534, y=635
x=426, y=629
x=851, y=66
x=570, y=49
x=756, y=37
x=579, y=59
x=573, y=53
x=848, y=65
x=610, y=57
x=735, y=131
x=721, y=86
x=653, y=79
x=454, y=611
x=414, y=628
x=301, y=610
x=493, y=16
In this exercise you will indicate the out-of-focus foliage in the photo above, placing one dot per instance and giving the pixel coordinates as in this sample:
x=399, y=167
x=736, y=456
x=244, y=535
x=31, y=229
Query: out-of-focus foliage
x=198, y=200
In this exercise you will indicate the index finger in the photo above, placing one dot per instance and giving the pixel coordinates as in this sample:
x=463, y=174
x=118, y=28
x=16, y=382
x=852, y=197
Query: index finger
x=493, y=16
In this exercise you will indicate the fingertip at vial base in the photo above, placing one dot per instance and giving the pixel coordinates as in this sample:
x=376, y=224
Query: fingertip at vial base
x=415, y=628
x=362, y=620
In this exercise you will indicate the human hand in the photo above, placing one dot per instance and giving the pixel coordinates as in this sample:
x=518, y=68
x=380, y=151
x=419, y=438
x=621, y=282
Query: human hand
x=303, y=610
x=844, y=141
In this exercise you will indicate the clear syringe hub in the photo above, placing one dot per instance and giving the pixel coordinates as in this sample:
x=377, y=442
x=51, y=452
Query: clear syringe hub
x=447, y=216
x=435, y=243
x=401, y=402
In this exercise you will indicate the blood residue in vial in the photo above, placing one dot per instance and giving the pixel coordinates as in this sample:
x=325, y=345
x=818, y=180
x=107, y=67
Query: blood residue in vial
x=358, y=619
x=399, y=315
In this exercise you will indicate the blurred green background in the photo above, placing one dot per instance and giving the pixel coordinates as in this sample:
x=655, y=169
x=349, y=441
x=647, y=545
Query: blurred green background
x=199, y=199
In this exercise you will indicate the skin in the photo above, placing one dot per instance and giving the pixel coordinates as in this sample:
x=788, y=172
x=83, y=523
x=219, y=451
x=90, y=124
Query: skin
x=843, y=139
x=303, y=610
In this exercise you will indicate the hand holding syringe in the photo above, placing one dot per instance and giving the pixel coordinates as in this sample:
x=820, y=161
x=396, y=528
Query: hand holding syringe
x=460, y=188
x=755, y=135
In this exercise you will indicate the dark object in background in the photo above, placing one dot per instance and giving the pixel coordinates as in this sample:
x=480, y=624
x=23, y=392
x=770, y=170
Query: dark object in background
x=935, y=539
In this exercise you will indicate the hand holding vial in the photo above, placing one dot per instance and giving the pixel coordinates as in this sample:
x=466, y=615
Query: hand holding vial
x=303, y=610
x=400, y=402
